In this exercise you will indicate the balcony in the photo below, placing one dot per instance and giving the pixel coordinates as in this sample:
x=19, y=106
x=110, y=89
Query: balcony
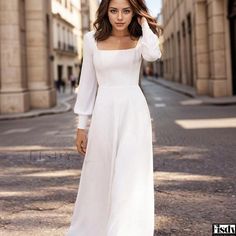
x=64, y=48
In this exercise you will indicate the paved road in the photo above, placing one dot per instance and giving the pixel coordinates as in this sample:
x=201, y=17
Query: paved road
x=194, y=168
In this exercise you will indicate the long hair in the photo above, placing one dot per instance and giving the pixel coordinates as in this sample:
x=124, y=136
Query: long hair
x=103, y=26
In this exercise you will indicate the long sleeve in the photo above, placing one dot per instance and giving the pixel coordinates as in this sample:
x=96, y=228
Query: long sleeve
x=86, y=93
x=149, y=43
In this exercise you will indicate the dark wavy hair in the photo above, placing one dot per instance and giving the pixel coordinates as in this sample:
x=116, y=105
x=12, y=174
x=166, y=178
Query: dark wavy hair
x=103, y=26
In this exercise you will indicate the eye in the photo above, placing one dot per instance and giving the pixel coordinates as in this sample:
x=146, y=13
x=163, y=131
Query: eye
x=126, y=11
x=113, y=11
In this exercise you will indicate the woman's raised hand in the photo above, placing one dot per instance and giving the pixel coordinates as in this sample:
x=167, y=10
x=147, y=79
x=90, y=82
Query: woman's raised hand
x=141, y=20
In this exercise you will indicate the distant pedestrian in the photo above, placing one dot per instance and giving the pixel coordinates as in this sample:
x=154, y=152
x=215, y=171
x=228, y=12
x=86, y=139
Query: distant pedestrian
x=63, y=84
x=58, y=85
x=72, y=83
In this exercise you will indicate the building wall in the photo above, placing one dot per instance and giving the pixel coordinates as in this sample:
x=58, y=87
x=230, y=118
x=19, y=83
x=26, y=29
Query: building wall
x=88, y=13
x=197, y=45
x=93, y=6
x=26, y=80
x=66, y=38
x=71, y=20
x=158, y=65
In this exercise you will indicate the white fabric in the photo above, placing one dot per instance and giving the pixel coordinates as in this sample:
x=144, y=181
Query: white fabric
x=116, y=191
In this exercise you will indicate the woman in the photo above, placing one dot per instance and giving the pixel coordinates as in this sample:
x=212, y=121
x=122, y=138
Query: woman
x=116, y=192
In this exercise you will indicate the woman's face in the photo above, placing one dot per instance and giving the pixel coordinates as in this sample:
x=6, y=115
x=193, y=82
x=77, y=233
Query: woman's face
x=120, y=14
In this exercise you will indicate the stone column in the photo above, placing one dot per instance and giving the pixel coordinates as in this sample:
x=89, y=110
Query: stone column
x=201, y=48
x=218, y=79
x=172, y=58
x=183, y=53
x=39, y=48
x=14, y=96
x=179, y=58
x=189, y=46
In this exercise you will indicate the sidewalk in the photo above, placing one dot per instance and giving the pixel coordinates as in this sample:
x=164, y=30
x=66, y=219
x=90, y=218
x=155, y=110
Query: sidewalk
x=62, y=106
x=190, y=91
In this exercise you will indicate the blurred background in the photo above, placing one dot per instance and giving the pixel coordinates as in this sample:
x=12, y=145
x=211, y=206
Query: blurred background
x=41, y=48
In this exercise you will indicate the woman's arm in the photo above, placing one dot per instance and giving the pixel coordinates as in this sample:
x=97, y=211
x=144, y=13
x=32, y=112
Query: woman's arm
x=87, y=86
x=149, y=42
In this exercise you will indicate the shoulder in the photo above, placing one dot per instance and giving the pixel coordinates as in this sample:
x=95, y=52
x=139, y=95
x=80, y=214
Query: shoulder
x=89, y=38
x=89, y=35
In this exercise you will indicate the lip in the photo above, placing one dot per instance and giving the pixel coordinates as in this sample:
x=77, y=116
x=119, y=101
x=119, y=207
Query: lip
x=120, y=24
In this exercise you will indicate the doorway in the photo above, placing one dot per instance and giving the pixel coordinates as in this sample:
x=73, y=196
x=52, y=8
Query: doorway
x=232, y=25
x=190, y=53
x=179, y=55
x=69, y=71
x=59, y=72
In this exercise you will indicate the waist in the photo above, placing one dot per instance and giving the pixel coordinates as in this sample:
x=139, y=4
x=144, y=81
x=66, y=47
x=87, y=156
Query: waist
x=118, y=92
x=115, y=90
x=118, y=86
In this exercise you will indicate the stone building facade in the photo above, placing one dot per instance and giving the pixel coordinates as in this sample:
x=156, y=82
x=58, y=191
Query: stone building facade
x=199, y=45
x=26, y=79
x=71, y=20
x=158, y=65
x=88, y=14
x=66, y=39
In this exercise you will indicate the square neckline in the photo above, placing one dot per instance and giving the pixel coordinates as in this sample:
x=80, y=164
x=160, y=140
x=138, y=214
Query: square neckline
x=114, y=50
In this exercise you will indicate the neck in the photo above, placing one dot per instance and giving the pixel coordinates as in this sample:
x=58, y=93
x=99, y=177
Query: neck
x=119, y=33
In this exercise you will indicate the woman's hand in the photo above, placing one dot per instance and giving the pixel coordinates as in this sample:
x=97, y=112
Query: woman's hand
x=81, y=141
x=141, y=20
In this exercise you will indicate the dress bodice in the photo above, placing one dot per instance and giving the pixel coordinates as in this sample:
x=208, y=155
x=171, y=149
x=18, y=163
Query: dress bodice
x=111, y=68
x=117, y=67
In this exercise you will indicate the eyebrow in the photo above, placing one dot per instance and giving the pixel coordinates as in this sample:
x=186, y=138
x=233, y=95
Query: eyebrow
x=123, y=8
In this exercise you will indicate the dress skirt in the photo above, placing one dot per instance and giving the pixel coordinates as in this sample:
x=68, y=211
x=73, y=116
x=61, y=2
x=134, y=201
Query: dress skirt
x=116, y=191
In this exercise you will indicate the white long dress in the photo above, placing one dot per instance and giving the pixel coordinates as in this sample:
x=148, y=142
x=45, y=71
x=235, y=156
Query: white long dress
x=116, y=191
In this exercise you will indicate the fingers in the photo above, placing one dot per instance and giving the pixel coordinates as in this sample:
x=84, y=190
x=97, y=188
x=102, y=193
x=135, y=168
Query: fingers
x=80, y=150
x=81, y=142
x=81, y=147
x=139, y=20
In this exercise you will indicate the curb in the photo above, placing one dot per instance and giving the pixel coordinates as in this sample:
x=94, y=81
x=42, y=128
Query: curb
x=190, y=92
x=17, y=149
x=62, y=107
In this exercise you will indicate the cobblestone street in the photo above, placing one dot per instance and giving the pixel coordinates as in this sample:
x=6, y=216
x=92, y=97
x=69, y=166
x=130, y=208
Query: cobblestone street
x=194, y=168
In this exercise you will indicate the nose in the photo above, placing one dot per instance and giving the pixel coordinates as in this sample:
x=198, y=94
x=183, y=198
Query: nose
x=120, y=16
